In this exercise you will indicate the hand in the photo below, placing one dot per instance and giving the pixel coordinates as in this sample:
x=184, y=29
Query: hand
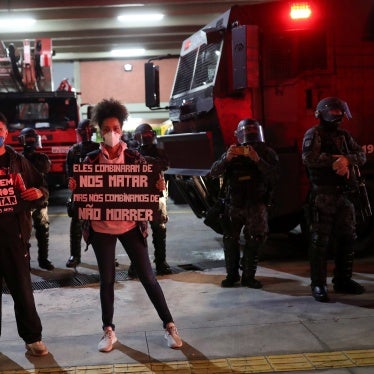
x=31, y=194
x=161, y=184
x=341, y=166
x=72, y=184
x=340, y=162
x=231, y=152
x=252, y=154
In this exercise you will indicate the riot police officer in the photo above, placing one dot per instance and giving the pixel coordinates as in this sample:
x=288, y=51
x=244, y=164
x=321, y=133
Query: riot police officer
x=31, y=141
x=250, y=169
x=329, y=153
x=145, y=141
x=76, y=155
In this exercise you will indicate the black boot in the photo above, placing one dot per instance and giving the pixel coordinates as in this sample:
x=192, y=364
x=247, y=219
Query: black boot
x=75, y=243
x=348, y=286
x=72, y=262
x=318, y=270
x=342, y=281
x=249, y=262
x=230, y=281
x=232, y=257
x=163, y=268
x=131, y=272
x=42, y=237
x=320, y=293
x=159, y=242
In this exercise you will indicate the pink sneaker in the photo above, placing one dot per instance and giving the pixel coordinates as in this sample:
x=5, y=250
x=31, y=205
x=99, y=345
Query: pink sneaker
x=107, y=341
x=37, y=348
x=172, y=336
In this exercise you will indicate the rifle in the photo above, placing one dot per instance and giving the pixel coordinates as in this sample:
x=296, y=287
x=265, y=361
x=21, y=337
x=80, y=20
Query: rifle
x=363, y=207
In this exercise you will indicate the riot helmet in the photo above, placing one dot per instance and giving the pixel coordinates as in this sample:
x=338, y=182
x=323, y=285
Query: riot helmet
x=30, y=139
x=84, y=130
x=331, y=111
x=145, y=135
x=249, y=131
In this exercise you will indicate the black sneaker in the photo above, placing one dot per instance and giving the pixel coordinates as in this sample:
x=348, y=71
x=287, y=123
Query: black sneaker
x=45, y=264
x=348, y=286
x=73, y=262
x=230, y=281
x=320, y=293
x=163, y=269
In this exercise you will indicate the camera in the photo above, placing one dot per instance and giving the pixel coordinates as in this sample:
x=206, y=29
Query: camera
x=242, y=150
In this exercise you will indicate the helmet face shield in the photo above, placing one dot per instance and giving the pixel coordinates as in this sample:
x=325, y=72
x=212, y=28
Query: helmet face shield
x=332, y=115
x=249, y=131
x=145, y=135
x=30, y=138
x=148, y=137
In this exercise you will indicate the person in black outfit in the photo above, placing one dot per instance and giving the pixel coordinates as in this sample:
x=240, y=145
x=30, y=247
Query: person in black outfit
x=146, y=140
x=31, y=141
x=250, y=169
x=76, y=155
x=26, y=191
x=329, y=153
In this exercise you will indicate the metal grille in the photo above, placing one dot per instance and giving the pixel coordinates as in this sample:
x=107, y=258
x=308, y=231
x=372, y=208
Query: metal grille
x=77, y=280
x=197, y=68
x=206, y=65
x=185, y=72
x=81, y=280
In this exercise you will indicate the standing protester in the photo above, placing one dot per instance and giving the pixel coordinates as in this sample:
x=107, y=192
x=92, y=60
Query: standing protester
x=110, y=115
x=31, y=141
x=146, y=139
x=76, y=155
x=250, y=170
x=329, y=154
x=26, y=183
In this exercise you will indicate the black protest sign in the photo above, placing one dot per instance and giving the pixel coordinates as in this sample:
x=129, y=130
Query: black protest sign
x=115, y=192
x=9, y=195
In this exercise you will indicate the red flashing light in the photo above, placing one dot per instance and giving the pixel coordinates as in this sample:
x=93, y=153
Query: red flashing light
x=300, y=11
x=187, y=44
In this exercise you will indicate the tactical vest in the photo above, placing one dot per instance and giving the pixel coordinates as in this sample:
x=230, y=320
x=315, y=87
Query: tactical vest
x=331, y=144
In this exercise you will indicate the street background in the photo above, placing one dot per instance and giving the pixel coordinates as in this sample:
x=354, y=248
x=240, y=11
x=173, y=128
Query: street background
x=273, y=328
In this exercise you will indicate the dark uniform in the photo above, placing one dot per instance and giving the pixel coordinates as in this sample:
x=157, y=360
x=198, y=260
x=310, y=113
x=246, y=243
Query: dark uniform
x=329, y=153
x=30, y=140
x=76, y=155
x=146, y=143
x=250, y=169
x=15, y=231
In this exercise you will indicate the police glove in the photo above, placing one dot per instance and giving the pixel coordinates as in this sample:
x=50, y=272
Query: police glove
x=341, y=165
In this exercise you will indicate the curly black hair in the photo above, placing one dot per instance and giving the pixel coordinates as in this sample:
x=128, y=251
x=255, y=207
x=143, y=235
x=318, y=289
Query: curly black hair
x=108, y=108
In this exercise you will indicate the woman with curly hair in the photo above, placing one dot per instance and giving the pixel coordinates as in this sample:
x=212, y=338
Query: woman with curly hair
x=109, y=115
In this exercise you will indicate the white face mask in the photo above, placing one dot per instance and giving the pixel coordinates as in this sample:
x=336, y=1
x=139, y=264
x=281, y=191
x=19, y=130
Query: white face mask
x=112, y=138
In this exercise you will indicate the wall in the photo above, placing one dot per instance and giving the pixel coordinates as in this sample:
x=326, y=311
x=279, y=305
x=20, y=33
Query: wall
x=105, y=79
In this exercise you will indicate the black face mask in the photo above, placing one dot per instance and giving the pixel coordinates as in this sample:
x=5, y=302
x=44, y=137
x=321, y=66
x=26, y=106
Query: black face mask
x=30, y=147
x=330, y=126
